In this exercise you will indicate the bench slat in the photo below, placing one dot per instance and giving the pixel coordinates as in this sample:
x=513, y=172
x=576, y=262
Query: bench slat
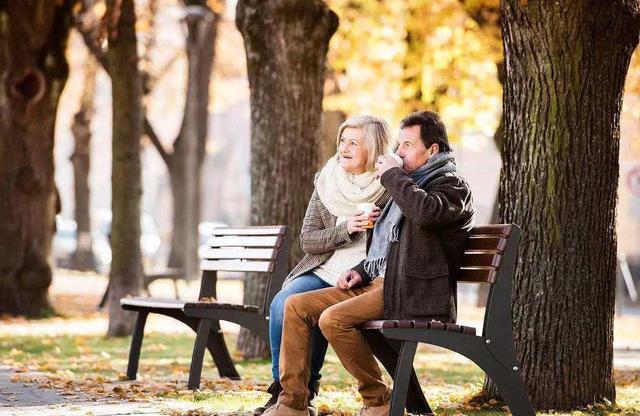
x=216, y=305
x=478, y=274
x=142, y=302
x=237, y=265
x=407, y=324
x=266, y=230
x=239, y=253
x=486, y=242
x=502, y=229
x=474, y=259
x=242, y=241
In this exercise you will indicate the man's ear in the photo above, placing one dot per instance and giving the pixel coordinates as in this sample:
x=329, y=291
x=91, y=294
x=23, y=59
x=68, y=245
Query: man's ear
x=435, y=149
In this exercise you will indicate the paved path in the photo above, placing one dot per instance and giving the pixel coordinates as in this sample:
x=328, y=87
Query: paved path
x=18, y=399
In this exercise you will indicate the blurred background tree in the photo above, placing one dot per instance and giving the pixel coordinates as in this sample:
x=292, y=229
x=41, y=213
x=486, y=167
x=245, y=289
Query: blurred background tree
x=125, y=277
x=33, y=70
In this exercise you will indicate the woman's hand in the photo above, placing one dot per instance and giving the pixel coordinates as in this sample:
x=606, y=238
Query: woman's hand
x=357, y=223
x=374, y=215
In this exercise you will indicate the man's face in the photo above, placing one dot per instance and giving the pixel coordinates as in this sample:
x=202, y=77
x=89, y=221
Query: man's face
x=412, y=150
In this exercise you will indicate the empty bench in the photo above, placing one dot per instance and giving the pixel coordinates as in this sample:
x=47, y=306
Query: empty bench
x=248, y=249
x=490, y=258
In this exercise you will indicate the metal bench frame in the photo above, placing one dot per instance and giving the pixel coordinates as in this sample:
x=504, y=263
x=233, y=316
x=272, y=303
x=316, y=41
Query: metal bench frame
x=494, y=350
x=204, y=317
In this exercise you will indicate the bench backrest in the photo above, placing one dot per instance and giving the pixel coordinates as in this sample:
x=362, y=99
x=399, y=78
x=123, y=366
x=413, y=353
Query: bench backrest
x=490, y=258
x=263, y=249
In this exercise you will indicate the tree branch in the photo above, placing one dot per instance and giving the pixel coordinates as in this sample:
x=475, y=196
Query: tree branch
x=155, y=140
x=90, y=43
x=101, y=57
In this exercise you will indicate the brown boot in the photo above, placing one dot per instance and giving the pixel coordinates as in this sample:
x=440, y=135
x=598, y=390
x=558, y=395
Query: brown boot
x=274, y=389
x=382, y=410
x=279, y=409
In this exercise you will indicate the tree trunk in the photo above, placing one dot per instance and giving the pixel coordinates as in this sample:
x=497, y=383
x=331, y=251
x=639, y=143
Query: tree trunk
x=331, y=121
x=566, y=64
x=126, y=265
x=498, y=136
x=190, y=145
x=83, y=257
x=286, y=44
x=33, y=70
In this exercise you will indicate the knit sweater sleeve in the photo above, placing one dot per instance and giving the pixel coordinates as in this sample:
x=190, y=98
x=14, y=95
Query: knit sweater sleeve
x=315, y=236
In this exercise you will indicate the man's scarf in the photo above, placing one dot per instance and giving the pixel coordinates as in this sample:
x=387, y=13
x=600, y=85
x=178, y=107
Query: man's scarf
x=387, y=228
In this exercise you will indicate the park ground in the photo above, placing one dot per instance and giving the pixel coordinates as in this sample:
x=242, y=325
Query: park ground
x=64, y=365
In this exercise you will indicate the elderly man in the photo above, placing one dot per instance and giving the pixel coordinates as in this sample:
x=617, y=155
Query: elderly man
x=413, y=258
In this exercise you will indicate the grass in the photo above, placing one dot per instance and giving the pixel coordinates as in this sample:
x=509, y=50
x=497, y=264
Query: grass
x=91, y=367
x=94, y=366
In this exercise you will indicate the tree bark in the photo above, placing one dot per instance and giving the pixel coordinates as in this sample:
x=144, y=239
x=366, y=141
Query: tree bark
x=331, y=121
x=33, y=72
x=498, y=136
x=126, y=265
x=565, y=64
x=186, y=161
x=83, y=257
x=286, y=44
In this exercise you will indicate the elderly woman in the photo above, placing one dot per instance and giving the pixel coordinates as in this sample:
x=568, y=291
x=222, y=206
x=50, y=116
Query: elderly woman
x=333, y=232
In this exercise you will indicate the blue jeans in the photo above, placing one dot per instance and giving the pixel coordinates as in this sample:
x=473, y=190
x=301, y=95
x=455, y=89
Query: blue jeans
x=305, y=283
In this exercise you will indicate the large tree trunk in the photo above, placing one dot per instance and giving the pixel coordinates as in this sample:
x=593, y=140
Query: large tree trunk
x=126, y=265
x=83, y=257
x=566, y=64
x=498, y=136
x=190, y=145
x=286, y=44
x=331, y=121
x=33, y=72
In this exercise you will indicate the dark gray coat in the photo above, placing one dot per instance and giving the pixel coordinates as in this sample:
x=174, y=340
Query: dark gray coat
x=422, y=267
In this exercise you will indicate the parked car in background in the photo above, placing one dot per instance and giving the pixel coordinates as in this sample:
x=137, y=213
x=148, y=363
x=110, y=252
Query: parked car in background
x=64, y=241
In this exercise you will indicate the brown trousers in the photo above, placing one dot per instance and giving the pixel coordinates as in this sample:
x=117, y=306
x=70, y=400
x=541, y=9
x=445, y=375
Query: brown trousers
x=339, y=313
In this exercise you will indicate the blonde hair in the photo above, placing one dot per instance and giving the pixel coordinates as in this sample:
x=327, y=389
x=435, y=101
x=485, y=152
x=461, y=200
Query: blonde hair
x=376, y=136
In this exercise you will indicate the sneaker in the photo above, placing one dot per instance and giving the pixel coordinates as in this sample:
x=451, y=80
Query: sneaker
x=382, y=410
x=275, y=388
x=279, y=409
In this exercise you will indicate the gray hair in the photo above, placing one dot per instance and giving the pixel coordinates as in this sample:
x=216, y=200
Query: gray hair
x=376, y=136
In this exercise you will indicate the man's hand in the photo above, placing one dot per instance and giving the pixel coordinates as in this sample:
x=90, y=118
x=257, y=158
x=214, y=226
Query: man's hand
x=384, y=163
x=349, y=279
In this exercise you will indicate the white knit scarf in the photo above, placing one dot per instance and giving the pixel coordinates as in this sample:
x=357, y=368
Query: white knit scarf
x=340, y=190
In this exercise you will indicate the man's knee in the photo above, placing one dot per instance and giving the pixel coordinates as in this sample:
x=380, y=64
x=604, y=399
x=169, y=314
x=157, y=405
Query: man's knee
x=330, y=323
x=296, y=304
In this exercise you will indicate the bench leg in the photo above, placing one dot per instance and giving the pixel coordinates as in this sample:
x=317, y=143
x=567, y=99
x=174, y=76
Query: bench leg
x=136, y=345
x=511, y=389
x=402, y=378
x=195, y=371
x=219, y=352
x=386, y=351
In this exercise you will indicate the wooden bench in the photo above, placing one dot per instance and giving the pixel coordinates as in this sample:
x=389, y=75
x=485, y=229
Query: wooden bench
x=490, y=258
x=249, y=249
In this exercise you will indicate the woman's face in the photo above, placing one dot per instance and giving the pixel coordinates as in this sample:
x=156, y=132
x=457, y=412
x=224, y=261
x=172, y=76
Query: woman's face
x=352, y=151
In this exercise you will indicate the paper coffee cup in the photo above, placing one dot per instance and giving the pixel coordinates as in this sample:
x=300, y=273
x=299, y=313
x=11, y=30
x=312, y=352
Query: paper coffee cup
x=397, y=158
x=367, y=208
